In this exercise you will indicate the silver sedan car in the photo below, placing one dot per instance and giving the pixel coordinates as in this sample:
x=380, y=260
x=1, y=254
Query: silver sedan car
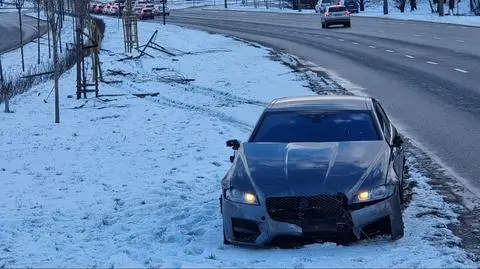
x=336, y=15
x=315, y=167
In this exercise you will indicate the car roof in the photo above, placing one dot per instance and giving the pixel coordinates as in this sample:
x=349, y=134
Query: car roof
x=318, y=102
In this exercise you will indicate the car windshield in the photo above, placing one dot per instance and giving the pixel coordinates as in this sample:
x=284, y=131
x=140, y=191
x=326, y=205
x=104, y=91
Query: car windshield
x=328, y=126
x=337, y=9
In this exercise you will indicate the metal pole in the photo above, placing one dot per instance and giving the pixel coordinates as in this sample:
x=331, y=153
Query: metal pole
x=163, y=3
x=385, y=7
x=225, y=3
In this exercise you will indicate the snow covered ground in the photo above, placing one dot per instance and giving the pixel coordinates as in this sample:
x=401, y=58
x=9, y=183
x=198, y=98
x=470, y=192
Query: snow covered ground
x=125, y=181
x=423, y=13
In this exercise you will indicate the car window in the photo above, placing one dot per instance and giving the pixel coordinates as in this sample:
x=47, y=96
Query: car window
x=384, y=121
x=326, y=126
x=337, y=9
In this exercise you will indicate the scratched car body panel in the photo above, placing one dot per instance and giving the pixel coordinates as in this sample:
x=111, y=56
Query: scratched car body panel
x=317, y=167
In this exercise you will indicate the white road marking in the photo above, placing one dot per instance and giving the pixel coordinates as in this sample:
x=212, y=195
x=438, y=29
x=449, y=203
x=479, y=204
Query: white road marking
x=409, y=56
x=340, y=39
x=354, y=43
x=328, y=37
x=460, y=41
x=461, y=70
x=437, y=38
x=389, y=51
x=430, y=62
x=417, y=35
x=372, y=47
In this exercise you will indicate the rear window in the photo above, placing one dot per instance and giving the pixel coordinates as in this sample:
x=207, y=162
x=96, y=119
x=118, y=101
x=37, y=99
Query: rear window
x=326, y=126
x=337, y=9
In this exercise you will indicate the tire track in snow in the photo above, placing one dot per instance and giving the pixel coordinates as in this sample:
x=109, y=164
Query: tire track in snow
x=244, y=126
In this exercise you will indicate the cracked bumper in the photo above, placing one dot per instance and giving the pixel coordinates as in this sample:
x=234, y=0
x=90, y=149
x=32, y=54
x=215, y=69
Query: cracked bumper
x=269, y=229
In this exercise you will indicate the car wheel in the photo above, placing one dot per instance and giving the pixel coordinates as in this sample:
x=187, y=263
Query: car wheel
x=348, y=25
x=225, y=241
x=402, y=183
x=397, y=227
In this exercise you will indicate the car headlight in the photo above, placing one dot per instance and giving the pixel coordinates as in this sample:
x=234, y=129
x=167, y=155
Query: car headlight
x=377, y=193
x=241, y=197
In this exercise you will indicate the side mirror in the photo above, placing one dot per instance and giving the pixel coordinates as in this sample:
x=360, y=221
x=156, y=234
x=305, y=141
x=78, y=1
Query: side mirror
x=397, y=141
x=234, y=144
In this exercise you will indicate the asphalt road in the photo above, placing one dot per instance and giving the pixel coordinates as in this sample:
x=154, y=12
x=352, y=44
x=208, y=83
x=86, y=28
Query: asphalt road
x=9, y=30
x=426, y=75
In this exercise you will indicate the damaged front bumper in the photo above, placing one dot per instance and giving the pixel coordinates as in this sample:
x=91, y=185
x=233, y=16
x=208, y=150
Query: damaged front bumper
x=257, y=225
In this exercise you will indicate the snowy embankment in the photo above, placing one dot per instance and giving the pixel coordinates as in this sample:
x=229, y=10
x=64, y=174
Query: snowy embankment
x=375, y=9
x=423, y=13
x=126, y=181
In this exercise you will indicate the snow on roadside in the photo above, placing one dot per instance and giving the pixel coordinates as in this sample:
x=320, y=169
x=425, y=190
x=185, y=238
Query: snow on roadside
x=11, y=61
x=262, y=8
x=423, y=13
x=125, y=181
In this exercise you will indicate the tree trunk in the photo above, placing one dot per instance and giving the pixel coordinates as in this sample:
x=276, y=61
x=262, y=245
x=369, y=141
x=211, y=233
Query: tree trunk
x=7, y=105
x=21, y=38
x=48, y=37
x=56, y=74
x=440, y=8
x=38, y=32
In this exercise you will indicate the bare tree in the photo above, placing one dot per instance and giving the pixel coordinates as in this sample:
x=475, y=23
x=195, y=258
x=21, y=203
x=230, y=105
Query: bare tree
x=3, y=89
x=53, y=10
x=19, y=5
x=38, y=31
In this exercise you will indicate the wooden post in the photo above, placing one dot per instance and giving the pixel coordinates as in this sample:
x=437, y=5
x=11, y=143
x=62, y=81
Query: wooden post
x=78, y=49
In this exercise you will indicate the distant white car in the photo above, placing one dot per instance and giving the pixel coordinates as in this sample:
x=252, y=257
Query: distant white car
x=158, y=10
x=336, y=15
x=322, y=5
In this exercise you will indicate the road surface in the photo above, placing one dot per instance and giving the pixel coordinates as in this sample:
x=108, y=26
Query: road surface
x=9, y=30
x=426, y=75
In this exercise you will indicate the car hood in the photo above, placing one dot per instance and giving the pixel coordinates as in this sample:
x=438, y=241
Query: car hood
x=303, y=169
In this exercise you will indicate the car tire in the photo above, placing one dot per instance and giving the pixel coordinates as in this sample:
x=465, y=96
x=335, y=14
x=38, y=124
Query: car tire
x=398, y=231
x=402, y=183
x=225, y=241
x=348, y=25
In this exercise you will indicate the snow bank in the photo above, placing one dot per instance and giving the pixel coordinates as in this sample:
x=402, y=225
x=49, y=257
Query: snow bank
x=125, y=181
x=423, y=13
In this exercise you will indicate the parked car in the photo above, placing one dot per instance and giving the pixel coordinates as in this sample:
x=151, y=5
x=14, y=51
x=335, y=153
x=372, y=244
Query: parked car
x=322, y=5
x=137, y=11
x=99, y=9
x=316, y=167
x=146, y=13
x=352, y=5
x=92, y=8
x=106, y=9
x=114, y=10
x=336, y=15
x=158, y=10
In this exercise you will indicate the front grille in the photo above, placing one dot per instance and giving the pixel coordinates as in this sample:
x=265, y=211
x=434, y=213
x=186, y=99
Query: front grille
x=311, y=209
